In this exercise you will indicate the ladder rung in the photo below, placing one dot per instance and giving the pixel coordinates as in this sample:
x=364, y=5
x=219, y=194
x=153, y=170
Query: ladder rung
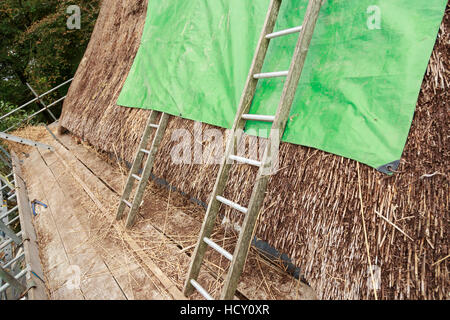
x=136, y=177
x=7, y=186
x=218, y=248
x=271, y=75
x=12, y=221
x=13, y=260
x=200, y=290
x=258, y=117
x=283, y=32
x=5, y=243
x=156, y=126
x=25, y=141
x=9, y=212
x=245, y=160
x=145, y=151
x=127, y=203
x=231, y=204
x=8, y=241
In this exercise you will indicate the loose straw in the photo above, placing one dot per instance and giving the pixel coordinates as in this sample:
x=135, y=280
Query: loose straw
x=365, y=233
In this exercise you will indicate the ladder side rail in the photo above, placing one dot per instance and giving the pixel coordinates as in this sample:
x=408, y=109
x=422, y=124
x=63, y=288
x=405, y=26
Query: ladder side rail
x=233, y=140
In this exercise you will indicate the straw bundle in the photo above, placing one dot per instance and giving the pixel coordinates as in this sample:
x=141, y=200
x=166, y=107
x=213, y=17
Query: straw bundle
x=326, y=212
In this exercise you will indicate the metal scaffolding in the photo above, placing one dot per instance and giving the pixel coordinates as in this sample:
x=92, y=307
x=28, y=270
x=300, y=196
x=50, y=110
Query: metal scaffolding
x=14, y=270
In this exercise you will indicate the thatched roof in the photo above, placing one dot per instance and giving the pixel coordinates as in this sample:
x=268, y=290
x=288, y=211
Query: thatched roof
x=312, y=209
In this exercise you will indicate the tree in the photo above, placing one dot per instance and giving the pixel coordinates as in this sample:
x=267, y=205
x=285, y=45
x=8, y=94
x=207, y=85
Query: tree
x=36, y=47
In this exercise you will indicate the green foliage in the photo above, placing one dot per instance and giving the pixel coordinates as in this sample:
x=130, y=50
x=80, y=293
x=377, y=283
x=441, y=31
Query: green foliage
x=12, y=119
x=36, y=47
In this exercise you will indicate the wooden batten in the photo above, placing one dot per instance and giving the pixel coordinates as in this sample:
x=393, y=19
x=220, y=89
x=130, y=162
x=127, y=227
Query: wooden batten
x=37, y=289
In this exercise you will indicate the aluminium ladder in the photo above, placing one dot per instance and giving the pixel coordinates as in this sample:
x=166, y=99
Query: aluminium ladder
x=266, y=165
x=10, y=137
x=147, y=169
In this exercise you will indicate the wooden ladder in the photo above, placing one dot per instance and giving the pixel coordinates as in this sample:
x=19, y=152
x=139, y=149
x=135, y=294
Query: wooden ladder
x=271, y=151
x=137, y=164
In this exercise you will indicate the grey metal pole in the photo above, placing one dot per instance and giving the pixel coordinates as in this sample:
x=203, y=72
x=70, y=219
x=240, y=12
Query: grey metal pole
x=35, y=114
x=3, y=210
x=21, y=140
x=5, y=161
x=34, y=100
x=19, y=256
x=8, y=212
x=5, y=152
x=42, y=102
x=12, y=281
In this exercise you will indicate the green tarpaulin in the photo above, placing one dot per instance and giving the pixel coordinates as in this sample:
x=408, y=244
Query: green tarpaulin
x=358, y=90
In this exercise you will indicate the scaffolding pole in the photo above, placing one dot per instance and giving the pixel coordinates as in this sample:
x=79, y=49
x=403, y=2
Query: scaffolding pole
x=35, y=99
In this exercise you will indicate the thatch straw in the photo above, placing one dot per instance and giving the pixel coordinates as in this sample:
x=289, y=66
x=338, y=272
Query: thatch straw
x=312, y=206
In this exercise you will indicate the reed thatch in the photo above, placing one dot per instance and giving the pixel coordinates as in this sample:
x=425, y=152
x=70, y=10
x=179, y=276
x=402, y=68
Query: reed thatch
x=319, y=207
